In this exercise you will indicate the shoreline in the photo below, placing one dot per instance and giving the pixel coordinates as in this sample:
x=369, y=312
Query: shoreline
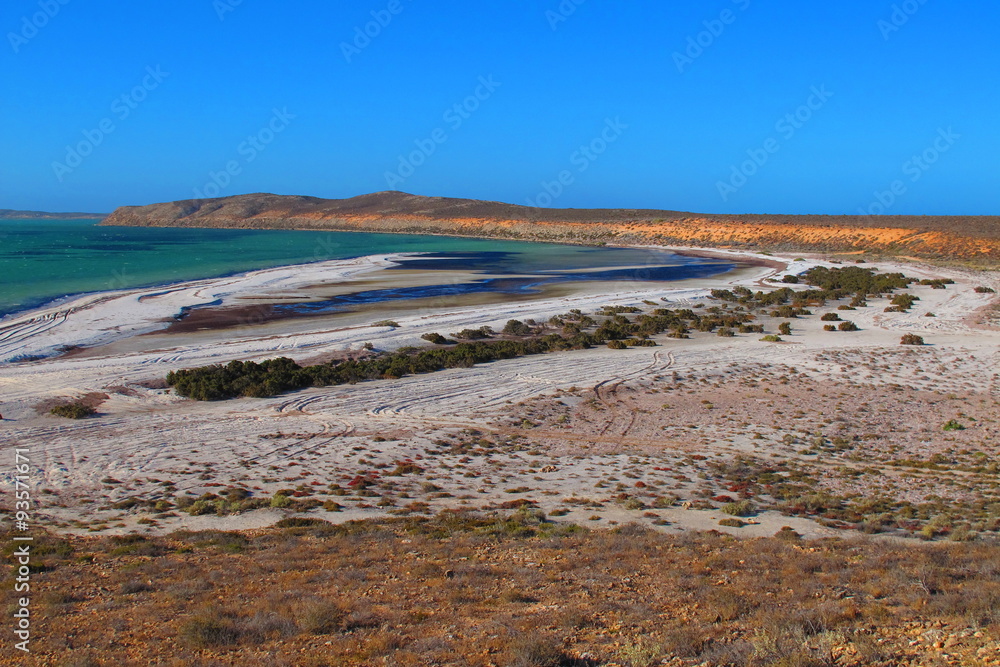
x=65, y=299
x=95, y=319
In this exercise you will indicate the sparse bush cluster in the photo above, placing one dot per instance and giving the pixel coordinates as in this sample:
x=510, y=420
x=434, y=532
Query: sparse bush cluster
x=276, y=376
x=832, y=284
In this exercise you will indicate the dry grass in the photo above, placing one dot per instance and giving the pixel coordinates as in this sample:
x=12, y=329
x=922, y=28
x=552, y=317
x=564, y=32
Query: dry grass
x=459, y=589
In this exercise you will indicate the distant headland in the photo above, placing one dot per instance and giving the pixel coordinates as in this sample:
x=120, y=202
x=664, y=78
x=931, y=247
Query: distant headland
x=975, y=238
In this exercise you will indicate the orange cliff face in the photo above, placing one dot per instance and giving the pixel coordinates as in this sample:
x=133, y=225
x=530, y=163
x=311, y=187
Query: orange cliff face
x=970, y=238
x=698, y=232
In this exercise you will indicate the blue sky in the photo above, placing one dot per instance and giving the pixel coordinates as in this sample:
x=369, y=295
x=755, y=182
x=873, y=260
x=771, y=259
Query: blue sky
x=725, y=106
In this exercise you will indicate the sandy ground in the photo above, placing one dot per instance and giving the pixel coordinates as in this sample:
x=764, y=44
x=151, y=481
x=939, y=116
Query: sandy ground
x=569, y=432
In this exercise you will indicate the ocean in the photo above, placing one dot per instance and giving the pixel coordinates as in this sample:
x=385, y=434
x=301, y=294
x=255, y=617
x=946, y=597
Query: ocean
x=44, y=260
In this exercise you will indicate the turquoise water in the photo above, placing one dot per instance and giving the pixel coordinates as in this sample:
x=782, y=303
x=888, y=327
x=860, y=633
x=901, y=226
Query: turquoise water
x=45, y=260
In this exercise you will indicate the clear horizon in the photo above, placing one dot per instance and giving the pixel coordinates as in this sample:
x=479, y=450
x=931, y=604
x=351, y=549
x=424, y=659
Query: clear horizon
x=725, y=108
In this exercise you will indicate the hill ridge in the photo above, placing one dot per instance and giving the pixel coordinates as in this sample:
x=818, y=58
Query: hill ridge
x=951, y=237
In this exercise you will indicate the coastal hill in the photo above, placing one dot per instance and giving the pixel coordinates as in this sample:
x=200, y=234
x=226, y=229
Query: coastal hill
x=950, y=237
x=9, y=214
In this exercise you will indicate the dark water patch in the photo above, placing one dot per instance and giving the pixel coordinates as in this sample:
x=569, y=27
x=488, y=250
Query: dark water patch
x=441, y=294
x=486, y=262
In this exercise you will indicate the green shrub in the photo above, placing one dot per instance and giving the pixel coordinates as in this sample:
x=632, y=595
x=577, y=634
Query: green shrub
x=75, y=410
x=640, y=342
x=911, y=339
x=201, y=507
x=738, y=508
x=475, y=334
x=516, y=328
x=617, y=345
x=829, y=327
x=386, y=323
x=771, y=338
x=830, y=317
x=847, y=326
x=904, y=301
x=437, y=339
x=953, y=425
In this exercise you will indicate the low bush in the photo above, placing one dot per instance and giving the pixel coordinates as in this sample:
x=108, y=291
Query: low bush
x=475, y=334
x=738, y=508
x=516, y=328
x=437, y=339
x=904, y=301
x=911, y=339
x=74, y=410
